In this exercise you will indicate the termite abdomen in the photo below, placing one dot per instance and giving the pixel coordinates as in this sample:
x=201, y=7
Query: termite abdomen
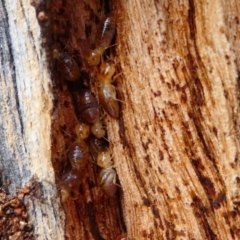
x=79, y=155
x=97, y=145
x=106, y=32
x=68, y=67
x=88, y=106
x=108, y=99
x=103, y=40
x=70, y=182
x=108, y=181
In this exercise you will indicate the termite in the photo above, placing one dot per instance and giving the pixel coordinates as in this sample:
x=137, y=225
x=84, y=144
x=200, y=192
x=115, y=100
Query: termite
x=97, y=145
x=67, y=66
x=107, y=175
x=90, y=112
x=70, y=183
x=79, y=153
x=103, y=40
x=107, y=92
x=78, y=156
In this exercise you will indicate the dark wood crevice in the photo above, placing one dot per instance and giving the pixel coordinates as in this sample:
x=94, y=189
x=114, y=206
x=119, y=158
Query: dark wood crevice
x=176, y=142
x=100, y=215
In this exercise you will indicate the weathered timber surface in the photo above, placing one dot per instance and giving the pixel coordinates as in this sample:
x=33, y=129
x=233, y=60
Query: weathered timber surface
x=26, y=103
x=176, y=144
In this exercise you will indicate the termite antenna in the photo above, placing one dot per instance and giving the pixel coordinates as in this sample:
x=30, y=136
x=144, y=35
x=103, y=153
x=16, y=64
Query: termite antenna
x=106, y=139
x=116, y=99
x=116, y=76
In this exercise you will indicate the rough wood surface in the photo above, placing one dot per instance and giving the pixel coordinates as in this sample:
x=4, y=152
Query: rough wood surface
x=176, y=144
x=178, y=137
x=26, y=103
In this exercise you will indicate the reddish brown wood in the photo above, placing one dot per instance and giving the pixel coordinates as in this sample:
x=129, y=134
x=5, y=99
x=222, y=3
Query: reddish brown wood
x=176, y=143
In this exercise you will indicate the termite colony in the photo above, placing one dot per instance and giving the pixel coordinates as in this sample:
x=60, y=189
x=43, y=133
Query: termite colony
x=90, y=131
x=84, y=91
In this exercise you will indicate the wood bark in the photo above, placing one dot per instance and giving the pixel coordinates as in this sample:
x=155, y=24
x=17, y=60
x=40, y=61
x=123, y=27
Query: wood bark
x=176, y=143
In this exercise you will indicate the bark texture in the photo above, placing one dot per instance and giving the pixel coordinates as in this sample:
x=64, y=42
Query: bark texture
x=179, y=132
x=26, y=103
x=176, y=143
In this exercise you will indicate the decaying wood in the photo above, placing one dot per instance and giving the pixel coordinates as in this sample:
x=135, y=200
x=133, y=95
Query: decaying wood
x=176, y=144
x=26, y=103
x=178, y=137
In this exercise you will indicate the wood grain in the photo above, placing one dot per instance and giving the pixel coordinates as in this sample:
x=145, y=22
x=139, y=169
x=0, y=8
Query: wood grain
x=179, y=128
x=176, y=143
x=26, y=103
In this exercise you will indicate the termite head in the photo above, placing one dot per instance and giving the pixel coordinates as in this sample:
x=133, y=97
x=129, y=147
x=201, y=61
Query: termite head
x=64, y=193
x=98, y=130
x=108, y=181
x=106, y=71
x=94, y=56
x=104, y=160
x=105, y=33
x=82, y=131
x=67, y=193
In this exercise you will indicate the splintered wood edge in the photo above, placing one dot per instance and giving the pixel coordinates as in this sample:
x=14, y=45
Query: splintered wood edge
x=26, y=102
x=177, y=143
x=168, y=192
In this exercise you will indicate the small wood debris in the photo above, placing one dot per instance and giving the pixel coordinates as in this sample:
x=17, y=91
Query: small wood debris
x=14, y=221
